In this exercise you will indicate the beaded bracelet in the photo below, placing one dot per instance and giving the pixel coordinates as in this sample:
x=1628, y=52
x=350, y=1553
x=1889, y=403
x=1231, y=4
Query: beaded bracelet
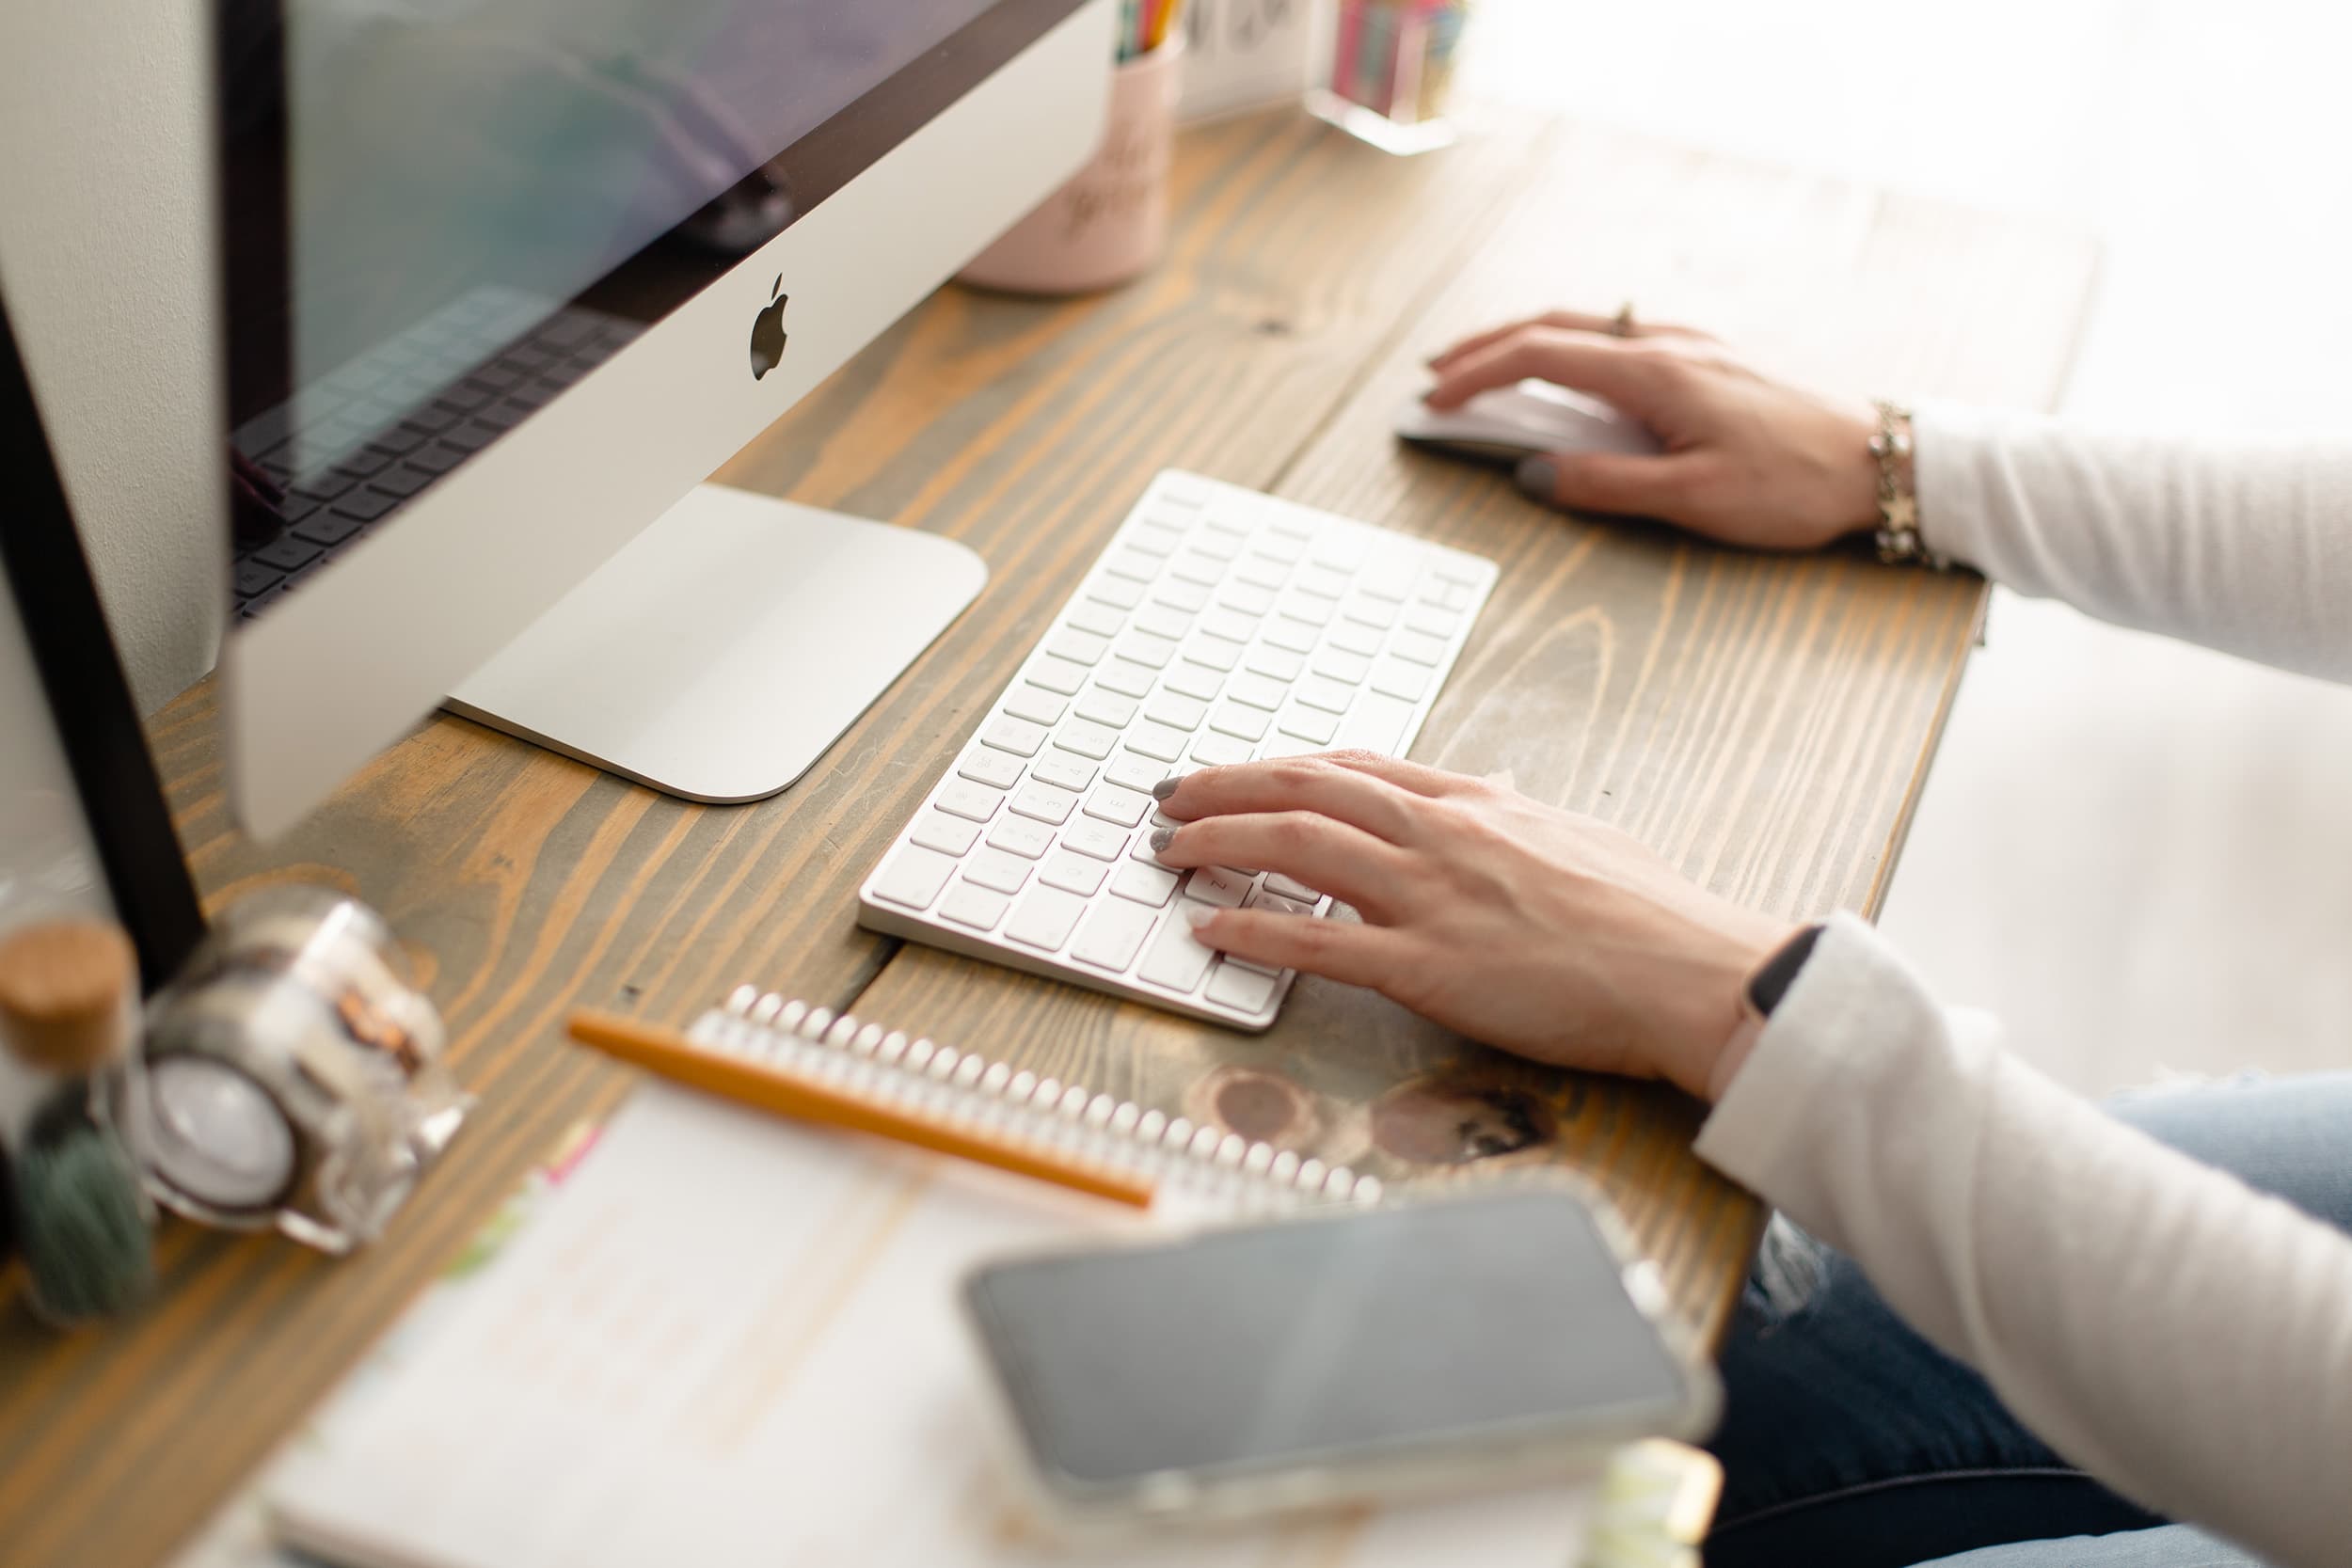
x=1898, y=539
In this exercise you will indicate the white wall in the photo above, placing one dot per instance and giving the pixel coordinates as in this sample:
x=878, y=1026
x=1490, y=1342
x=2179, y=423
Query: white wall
x=106, y=260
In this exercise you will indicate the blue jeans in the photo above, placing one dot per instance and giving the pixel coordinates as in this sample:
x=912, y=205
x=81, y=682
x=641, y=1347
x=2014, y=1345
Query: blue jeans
x=1850, y=1442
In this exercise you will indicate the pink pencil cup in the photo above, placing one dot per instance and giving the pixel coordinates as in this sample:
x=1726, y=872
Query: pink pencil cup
x=1109, y=224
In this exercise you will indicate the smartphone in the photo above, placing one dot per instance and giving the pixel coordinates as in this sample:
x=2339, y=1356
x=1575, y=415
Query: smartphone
x=1436, y=1344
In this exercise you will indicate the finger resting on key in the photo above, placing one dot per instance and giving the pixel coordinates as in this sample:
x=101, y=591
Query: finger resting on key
x=1342, y=950
x=1310, y=784
x=1329, y=856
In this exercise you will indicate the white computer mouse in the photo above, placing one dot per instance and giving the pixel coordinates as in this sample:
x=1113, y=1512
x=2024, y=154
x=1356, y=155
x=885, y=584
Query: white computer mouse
x=1513, y=422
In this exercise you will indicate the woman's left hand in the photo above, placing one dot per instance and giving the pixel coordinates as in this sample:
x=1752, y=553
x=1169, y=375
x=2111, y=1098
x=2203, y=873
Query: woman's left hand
x=1529, y=927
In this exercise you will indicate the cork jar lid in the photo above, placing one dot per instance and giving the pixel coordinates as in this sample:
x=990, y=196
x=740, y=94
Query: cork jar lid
x=64, y=987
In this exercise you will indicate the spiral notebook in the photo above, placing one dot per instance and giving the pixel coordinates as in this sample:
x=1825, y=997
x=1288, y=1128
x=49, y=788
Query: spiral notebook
x=722, y=1338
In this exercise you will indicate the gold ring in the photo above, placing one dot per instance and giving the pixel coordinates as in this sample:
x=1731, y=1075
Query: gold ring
x=1622, y=325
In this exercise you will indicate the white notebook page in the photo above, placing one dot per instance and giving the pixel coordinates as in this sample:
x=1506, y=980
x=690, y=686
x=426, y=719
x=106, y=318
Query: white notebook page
x=729, y=1341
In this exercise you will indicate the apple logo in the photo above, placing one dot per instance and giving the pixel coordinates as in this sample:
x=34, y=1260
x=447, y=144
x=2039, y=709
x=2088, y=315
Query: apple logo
x=768, y=339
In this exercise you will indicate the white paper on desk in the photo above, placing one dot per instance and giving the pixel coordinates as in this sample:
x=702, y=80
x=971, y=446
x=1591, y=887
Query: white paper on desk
x=728, y=1341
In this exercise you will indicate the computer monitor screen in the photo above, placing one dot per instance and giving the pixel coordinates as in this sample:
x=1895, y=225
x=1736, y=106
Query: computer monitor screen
x=442, y=220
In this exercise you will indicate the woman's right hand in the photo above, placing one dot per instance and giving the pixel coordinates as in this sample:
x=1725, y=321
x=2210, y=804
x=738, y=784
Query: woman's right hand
x=1748, y=460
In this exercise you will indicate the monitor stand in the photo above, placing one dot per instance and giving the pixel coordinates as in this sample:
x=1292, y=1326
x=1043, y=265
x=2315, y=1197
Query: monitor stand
x=720, y=653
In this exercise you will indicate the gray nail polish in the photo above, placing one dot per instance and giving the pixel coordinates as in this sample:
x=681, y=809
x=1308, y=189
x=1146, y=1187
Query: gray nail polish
x=1540, y=478
x=1165, y=787
x=1162, y=838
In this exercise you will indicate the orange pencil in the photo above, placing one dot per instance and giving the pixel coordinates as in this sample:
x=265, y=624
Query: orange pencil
x=1163, y=23
x=768, y=1087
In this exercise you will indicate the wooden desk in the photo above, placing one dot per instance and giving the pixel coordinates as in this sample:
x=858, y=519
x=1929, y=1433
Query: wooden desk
x=1765, y=722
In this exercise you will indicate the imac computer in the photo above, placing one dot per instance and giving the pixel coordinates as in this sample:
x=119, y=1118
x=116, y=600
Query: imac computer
x=506, y=279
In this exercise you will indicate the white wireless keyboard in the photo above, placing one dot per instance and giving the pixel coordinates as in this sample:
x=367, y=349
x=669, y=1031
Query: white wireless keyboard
x=1219, y=626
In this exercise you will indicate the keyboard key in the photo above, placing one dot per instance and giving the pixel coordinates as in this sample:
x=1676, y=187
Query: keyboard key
x=1406, y=682
x=1392, y=581
x=287, y=553
x=1249, y=598
x=365, y=505
x=1192, y=566
x=949, y=835
x=1157, y=742
x=1063, y=769
x=1155, y=538
x=1017, y=735
x=1231, y=625
x=996, y=870
x=1175, y=959
x=968, y=904
x=1464, y=569
x=1035, y=704
x=1354, y=637
x=1376, y=723
x=974, y=803
x=1217, y=544
x=1286, y=887
x=1141, y=647
x=1275, y=663
x=1019, y=835
x=1192, y=680
x=1045, y=918
x=1431, y=621
x=1161, y=620
x=1296, y=636
x=252, y=577
x=1419, y=647
x=1190, y=597
x=1145, y=884
x=1092, y=615
x=1127, y=680
x=1099, y=706
x=1057, y=675
x=1311, y=724
x=1324, y=692
x=1073, y=873
x=1316, y=609
x=1365, y=610
x=1078, y=647
x=1112, y=803
x=1105, y=841
x=1274, y=903
x=1339, y=665
x=1113, y=935
x=1244, y=989
x=1219, y=885
x=1259, y=571
x=1088, y=739
x=1258, y=691
x=1177, y=711
x=1219, y=750
x=914, y=876
x=1042, y=803
x=1133, y=565
x=1130, y=770
x=1218, y=653
x=1323, y=581
x=1338, y=549
x=1246, y=723
x=1119, y=593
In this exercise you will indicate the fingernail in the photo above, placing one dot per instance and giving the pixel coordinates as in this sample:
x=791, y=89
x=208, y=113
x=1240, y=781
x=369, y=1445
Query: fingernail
x=1540, y=478
x=1197, y=915
x=1165, y=787
x=1162, y=838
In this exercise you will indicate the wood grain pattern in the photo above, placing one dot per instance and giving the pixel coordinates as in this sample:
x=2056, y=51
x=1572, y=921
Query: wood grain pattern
x=1766, y=722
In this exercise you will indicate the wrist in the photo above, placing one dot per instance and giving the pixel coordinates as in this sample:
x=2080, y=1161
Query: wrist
x=1767, y=983
x=1711, y=1003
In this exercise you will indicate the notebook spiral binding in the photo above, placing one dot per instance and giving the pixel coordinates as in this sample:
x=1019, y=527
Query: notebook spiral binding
x=921, y=1076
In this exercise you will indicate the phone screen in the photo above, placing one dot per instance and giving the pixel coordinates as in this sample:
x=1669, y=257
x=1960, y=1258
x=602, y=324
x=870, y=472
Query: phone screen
x=1321, y=1337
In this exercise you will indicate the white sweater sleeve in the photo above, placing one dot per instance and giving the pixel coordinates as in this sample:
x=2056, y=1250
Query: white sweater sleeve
x=2177, y=1336
x=2244, y=546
